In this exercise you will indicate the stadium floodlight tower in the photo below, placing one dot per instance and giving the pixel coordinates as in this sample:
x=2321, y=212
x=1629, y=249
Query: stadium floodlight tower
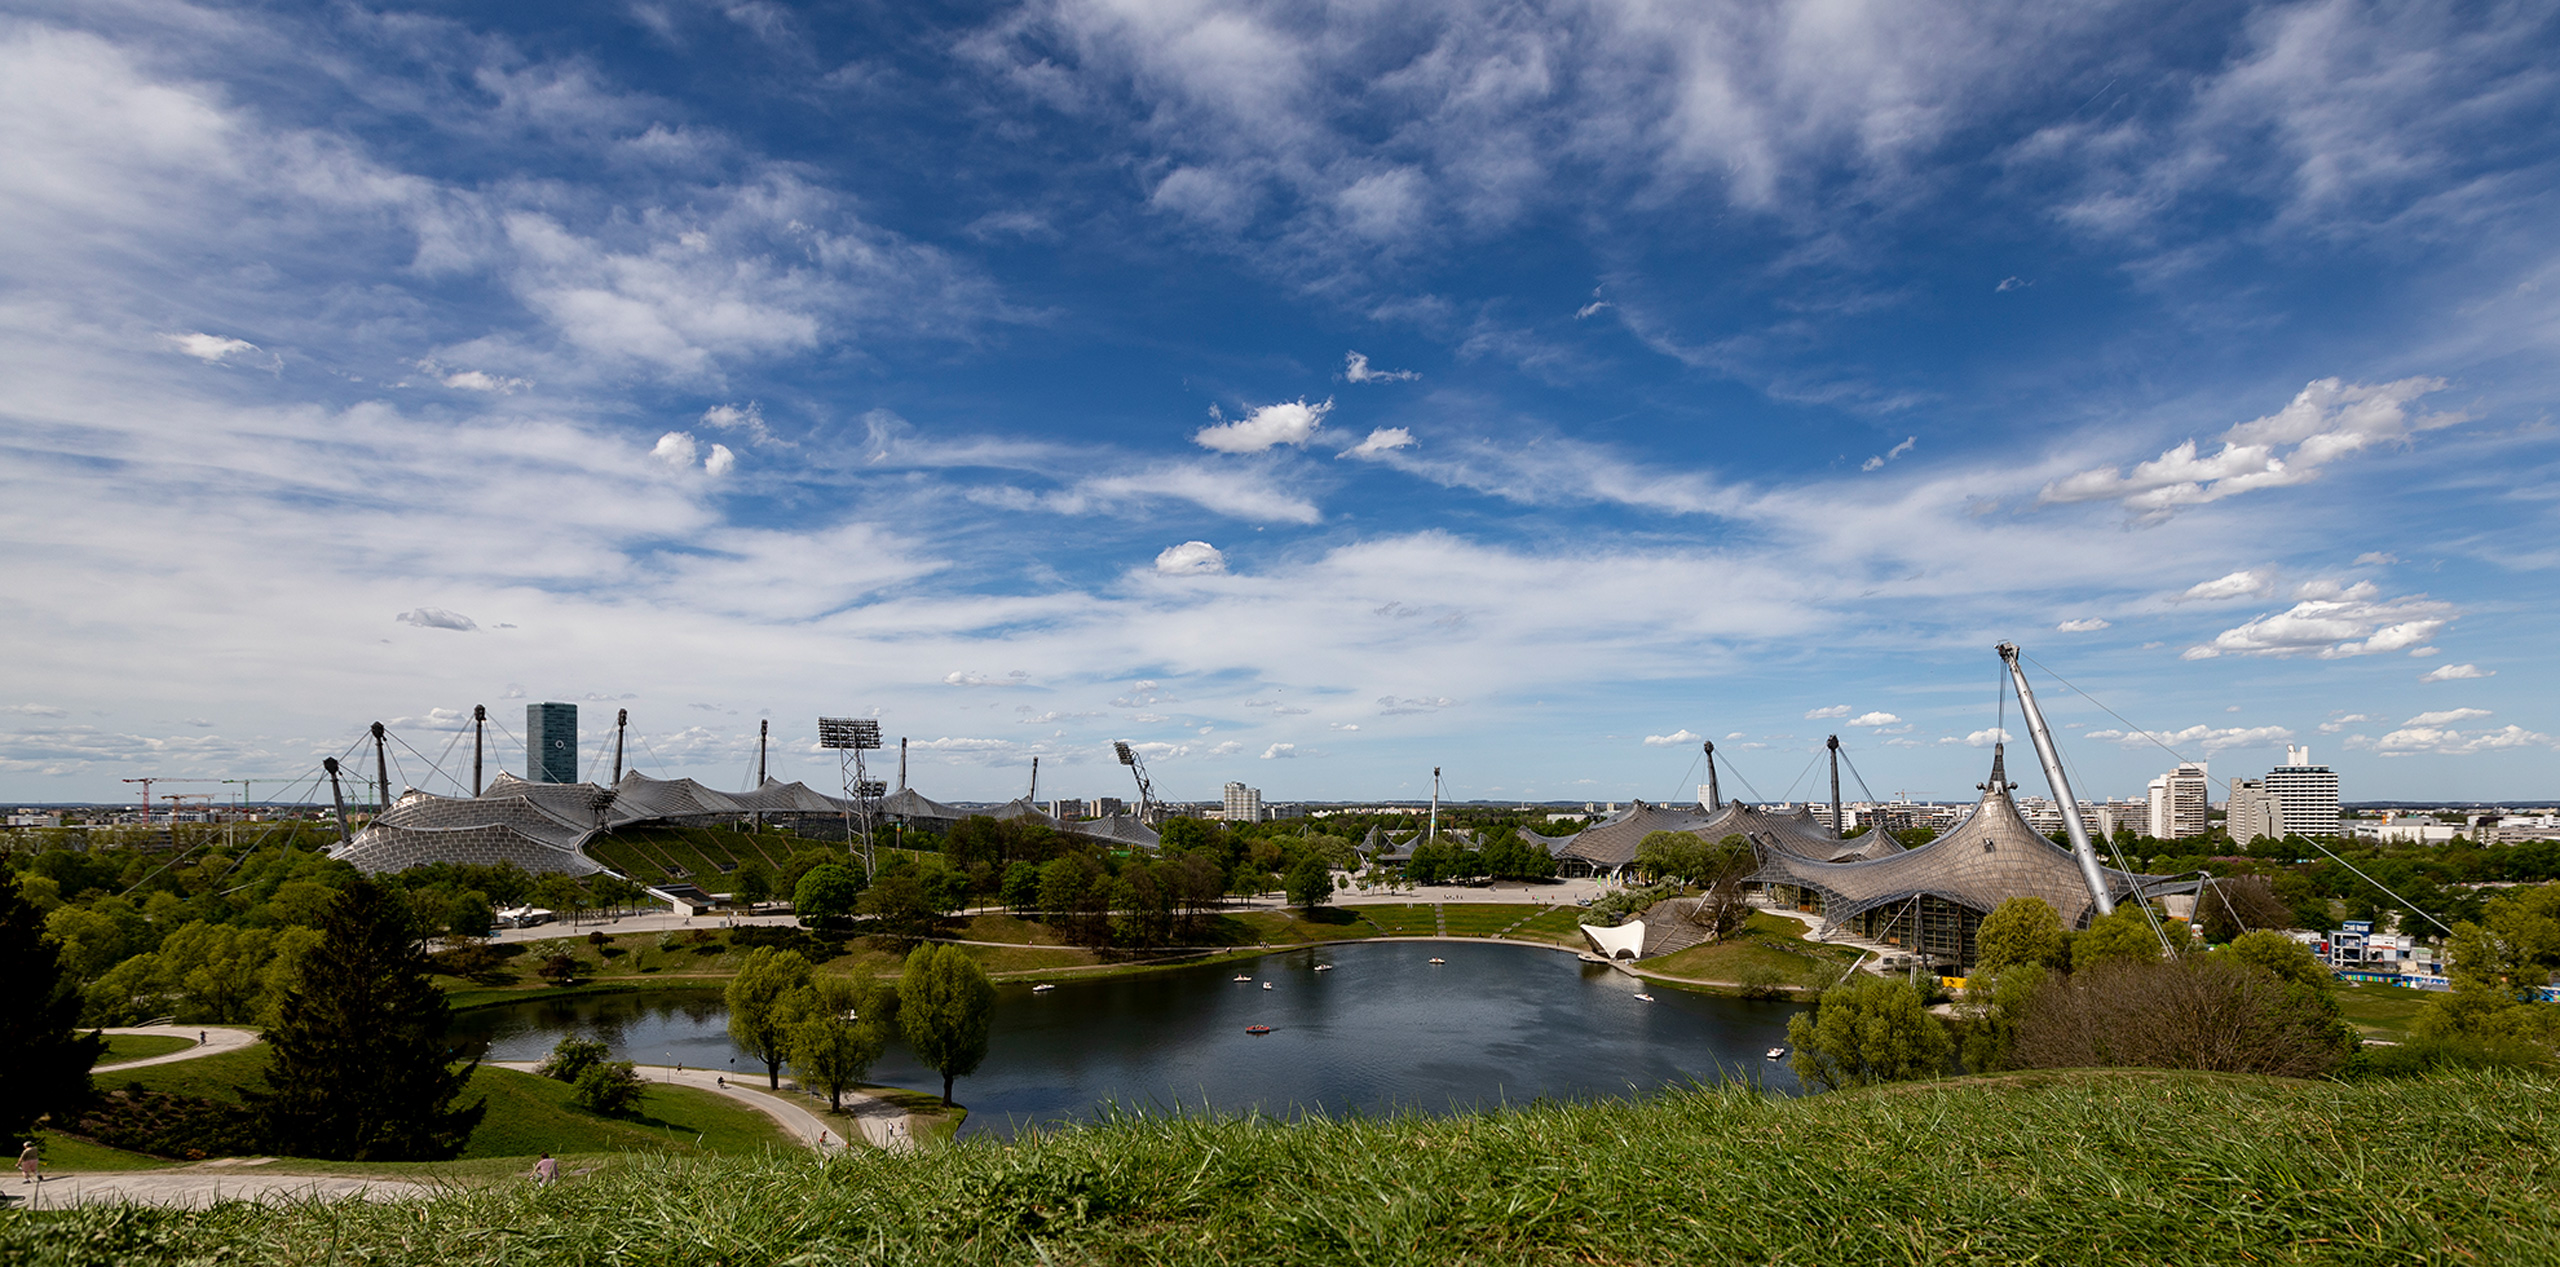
x=1146, y=791
x=2087, y=854
x=850, y=737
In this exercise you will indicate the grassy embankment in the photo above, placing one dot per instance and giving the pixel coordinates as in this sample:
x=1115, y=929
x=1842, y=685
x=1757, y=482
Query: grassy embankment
x=527, y=1115
x=124, y=1047
x=2107, y=1166
x=1767, y=943
x=2382, y=1012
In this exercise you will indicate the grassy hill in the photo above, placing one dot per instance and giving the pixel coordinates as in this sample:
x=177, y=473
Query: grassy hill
x=2096, y=1167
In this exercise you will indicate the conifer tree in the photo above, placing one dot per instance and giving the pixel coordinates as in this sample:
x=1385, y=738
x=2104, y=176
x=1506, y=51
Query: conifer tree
x=361, y=1069
x=44, y=1062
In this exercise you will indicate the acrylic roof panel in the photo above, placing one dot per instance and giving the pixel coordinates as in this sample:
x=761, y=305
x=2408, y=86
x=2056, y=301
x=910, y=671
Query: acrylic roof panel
x=1022, y=808
x=570, y=802
x=1120, y=829
x=423, y=812
x=909, y=803
x=639, y=798
x=1985, y=860
x=778, y=797
x=1613, y=844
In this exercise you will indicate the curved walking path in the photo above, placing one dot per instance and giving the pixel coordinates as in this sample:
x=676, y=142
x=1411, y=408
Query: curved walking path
x=208, y=1040
x=884, y=1125
x=196, y=1187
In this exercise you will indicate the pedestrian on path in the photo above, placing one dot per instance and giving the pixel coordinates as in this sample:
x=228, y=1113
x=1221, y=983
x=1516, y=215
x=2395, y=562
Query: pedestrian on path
x=546, y=1171
x=29, y=1163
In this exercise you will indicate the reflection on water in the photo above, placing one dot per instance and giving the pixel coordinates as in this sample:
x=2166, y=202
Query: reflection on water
x=1383, y=1029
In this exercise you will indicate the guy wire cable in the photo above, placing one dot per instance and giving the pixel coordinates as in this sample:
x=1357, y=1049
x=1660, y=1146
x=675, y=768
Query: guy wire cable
x=1736, y=771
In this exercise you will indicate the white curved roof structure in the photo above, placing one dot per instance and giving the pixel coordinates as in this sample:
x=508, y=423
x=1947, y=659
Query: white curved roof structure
x=1626, y=941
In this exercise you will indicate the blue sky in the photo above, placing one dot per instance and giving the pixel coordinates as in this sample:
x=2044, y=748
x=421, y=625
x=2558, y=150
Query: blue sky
x=1315, y=393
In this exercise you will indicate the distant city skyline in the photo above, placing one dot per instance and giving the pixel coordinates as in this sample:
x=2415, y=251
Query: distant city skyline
x=1312, y=396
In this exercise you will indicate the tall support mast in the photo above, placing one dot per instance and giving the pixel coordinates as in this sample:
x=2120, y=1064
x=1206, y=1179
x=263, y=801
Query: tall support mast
x=2091, y=873
x=902, y=763
x=1838, y=827
x=764, y=731
x=621, y=722
x=381, y=769
x=479, y=732
x=1034, y=797
x=1435, y=805
x=337, y=797
x=1715, y=795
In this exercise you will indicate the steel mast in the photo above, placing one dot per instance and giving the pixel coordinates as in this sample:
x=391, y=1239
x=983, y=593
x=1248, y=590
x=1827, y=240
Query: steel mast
x=1715, y=797
x=2091, y=872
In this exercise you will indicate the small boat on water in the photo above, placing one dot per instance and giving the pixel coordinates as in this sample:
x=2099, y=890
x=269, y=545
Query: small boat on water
x=1242, y=977
x=1644, y=996
x=1324, y=967
x=1266, y=985
x=1042, y=988
x=1439, y=960
x=1777, y=1053
x=1257, y=1029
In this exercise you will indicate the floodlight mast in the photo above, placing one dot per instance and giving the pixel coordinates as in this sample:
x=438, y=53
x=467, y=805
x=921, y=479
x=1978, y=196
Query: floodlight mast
x=2091, y=873
x=851, y=737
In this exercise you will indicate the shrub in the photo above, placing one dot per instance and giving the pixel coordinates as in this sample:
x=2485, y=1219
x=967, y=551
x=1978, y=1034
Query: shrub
x=2211, y=1012
x=1874, y=1029
x=609, y=1087
x=572, y=1056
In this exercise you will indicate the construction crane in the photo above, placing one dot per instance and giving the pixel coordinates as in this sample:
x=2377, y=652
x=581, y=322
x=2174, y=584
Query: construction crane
x=146, y=783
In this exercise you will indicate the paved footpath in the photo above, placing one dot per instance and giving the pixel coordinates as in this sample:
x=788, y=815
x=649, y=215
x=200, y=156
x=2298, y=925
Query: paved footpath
x=209, y=1040
x=883, y=1124
x=195, y=1187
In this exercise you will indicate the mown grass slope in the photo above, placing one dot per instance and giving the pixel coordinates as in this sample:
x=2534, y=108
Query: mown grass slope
x=2103, y=1167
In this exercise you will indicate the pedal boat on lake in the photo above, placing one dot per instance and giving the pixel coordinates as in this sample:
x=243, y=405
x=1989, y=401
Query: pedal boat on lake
x=1257, y=1029
x=1641, y=995
x=1439, y=960
x=1242, y=977
x=1042, y=988
x=1777, y=1053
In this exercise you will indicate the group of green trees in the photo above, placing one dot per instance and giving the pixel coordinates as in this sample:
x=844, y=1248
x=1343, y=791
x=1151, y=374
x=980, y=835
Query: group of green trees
x=831, y=1030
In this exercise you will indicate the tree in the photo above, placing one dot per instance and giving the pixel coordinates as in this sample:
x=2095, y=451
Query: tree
x=2125, y=936
x=1874, y=1029
x=2229, y=908
x=2020, y=930
x=1310, y=883
x=771, y=991
x=834, y=1046
x=752, y=885
x=2498, y=966
x=572, y=1056
x=946, y=1007
x=1021, y=886
x=2217, y=1012
x=827, y=893
x=360, y=1069
x=44, y=1063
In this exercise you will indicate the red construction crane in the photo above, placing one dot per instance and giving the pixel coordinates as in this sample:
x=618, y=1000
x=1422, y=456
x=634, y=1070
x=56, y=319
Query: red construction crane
x=146, y=796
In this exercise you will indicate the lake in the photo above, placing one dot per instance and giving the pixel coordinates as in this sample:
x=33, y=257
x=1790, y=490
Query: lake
x=1383, y=1030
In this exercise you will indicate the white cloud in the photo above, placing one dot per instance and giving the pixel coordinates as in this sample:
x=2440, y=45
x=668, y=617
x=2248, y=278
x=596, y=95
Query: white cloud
x=481, y=381
x=1355, y=368
x=748, y=418
x=2457, y=673
x=2411, y=740
x=1835, y=710
x=2344, y=720
x=2211, y=739
x=2249, y=583
x=721, y=461
x=1986, y=738
x=436, y=618
x=1675, y=739
x=1291, y=422
x=1343, y=725
x=1280, y=751
x=1382, y=440
x=1158, y=751
x=2376, y=558
x=36, y=710
x=2337, y=622
x=676, y=449
x=2086, y=624
x=2328, y=420
x=2446, y=717
x=1391, y=706
x=1874, y=719
x=960, y=677
x=1888, y=455
x=211, y=349
x=1191, y=558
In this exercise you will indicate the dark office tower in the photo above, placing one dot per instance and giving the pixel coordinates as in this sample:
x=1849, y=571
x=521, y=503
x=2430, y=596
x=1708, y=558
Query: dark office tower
x=551, y=743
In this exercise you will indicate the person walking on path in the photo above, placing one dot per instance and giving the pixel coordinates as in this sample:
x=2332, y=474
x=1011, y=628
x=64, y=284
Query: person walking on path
x=29, y=1163
x=546, y=1171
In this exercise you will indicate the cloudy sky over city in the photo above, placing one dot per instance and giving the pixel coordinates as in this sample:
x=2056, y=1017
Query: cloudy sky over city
x=1310, y=393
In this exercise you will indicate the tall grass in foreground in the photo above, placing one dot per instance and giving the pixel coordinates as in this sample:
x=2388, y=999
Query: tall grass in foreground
x=2112, y=1167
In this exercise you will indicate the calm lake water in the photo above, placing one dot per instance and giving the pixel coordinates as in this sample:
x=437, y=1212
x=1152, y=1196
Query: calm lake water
x=1384, y=1030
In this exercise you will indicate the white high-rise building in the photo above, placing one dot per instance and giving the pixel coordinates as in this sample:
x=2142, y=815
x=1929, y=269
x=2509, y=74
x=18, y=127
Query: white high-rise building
x=2254, y=814
x=2306, y=793
x=1244, y=804
x=2178, y=802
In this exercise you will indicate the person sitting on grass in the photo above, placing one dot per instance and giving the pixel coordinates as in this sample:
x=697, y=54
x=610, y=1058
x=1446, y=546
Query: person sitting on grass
x=546, y=1171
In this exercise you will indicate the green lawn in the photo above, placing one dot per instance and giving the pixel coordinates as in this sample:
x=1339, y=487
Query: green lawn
x=122, y=1047
x=1474, y=919
x=1561, y=926
x=65, y=1154
x=2116, y=1166
x=706, y=856
x=1400, y=919
x=1765, y=942
x=2381, y=1011
x=527, y=1114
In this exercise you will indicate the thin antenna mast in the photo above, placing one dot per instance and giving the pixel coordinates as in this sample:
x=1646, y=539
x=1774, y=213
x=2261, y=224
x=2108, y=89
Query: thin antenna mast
x=2091, y=872
x=1715, y=796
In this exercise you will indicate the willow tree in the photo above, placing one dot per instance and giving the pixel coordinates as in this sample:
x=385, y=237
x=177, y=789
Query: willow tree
x=946, y=1008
